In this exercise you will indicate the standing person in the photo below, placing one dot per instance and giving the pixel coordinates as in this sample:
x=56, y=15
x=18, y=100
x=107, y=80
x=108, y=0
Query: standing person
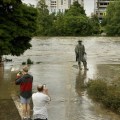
x=40, y=100
x=25, y=81
x=80, y=55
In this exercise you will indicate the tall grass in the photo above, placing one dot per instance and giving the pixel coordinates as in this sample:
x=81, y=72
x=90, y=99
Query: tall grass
x=108, y=95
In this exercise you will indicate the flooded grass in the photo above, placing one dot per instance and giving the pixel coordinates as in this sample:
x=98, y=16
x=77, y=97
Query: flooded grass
x=107, y=94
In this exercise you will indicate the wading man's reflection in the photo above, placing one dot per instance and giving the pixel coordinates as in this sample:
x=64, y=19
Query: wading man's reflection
x=80, y=81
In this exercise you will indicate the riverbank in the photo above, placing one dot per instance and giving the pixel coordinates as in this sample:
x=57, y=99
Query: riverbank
x=18, y=105
x=108, y=94
x=8, y=110
x=57, y=69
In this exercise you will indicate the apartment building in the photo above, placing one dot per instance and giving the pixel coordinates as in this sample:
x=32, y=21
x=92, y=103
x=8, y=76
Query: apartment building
x=60, y=5
x=100, y=8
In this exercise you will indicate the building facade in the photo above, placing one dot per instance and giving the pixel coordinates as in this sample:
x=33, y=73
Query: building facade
x=100, y=8
x=56, y=6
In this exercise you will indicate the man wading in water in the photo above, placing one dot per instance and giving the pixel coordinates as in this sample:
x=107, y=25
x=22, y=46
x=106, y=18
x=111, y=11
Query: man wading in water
x=80, y=55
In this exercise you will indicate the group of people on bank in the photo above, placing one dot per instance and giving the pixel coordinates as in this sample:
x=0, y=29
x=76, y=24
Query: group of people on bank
x=41, y=98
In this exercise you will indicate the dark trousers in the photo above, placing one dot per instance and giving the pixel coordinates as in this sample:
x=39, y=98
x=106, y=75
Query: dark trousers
x=84, y=64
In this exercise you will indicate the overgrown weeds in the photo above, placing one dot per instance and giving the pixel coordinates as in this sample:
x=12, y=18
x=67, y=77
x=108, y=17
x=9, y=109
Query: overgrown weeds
x=107, y=94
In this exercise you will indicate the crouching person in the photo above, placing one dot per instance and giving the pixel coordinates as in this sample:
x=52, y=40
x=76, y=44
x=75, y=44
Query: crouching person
x=40, y=100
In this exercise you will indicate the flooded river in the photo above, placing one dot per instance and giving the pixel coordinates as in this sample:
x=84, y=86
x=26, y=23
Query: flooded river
x=54, y=65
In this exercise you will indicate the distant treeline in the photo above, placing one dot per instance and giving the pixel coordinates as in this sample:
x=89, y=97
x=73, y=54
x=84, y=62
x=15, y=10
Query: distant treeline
x=20, y=22
x=73, y=22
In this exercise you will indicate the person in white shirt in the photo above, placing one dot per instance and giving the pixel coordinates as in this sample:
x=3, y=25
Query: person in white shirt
x=40, y=100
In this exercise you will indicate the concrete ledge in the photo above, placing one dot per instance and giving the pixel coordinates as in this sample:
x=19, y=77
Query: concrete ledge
x=17, y=104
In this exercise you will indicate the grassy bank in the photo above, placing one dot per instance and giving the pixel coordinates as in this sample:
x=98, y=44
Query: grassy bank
x=107, y=94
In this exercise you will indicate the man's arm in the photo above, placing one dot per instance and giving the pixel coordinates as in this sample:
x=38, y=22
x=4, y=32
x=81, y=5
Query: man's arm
x=84, y=50
x=18, y=81
x=76, y=52
x=45, y=91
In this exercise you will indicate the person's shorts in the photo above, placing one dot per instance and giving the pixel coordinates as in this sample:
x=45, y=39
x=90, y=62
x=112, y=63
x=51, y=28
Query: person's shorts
x=24, y=100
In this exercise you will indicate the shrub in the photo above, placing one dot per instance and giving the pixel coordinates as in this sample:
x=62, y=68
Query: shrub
x=97, y=89
x=108, y=95
x=112, y=99
x=23, y=63
x=29, y=61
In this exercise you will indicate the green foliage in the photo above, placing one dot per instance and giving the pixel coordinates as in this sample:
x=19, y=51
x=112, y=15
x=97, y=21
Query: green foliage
x=95, y=23
x=17, y=26
x=45, y=21
x=77, y=25
x=97, y=89
x=76, y=10
x=73, y=23
x=112, y=99
x=112, y=18
x=29, y=61
x=23, y=63
x=59, y=25
x=108, y=95
x=11, y=1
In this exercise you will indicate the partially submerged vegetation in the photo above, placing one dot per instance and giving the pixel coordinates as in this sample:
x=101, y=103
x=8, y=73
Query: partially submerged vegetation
x=107, y=94
x=29, y=61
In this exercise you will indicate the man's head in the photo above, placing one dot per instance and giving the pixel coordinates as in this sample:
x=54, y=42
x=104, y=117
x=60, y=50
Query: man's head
x=40, y=87
x=25, y=69
x=79, y=41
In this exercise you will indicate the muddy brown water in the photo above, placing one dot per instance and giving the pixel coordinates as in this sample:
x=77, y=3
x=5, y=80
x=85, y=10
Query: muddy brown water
x=54, y=65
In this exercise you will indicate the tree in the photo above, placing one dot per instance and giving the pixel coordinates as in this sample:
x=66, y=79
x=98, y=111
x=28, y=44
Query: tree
x=17, y=27
x=76, y=22
x=112, y=18
x=76, y=9
x=95, y=23
x=73, y=22
x=59, y=25
x=45, y=21
x=77, y=25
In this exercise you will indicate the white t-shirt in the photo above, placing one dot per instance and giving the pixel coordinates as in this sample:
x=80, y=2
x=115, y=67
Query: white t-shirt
x=40, y=101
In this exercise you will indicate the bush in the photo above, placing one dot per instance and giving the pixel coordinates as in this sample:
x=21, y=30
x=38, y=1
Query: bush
x=23, y=63
x=97, y=89
x=108, y=95
x=29, y=61
x=112, y=99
